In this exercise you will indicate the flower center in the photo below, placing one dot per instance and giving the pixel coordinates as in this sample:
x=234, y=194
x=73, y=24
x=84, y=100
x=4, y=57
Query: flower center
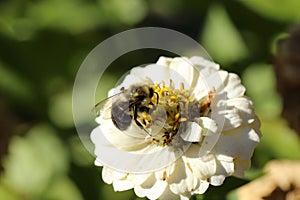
x=169, y=110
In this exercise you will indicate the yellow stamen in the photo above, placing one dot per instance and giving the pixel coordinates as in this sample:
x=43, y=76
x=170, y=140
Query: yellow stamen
x=176, y=116
x=179, y=105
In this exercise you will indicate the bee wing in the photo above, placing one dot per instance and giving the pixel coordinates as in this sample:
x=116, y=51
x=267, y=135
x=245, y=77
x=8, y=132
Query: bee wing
x=101, y=107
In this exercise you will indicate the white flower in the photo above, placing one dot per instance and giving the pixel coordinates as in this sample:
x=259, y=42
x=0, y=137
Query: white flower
x=175, y=127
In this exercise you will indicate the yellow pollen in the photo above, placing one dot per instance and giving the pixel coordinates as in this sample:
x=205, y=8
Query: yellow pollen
x=180, y=106
x=173, y=98
x=182, y=119
x=177, y=116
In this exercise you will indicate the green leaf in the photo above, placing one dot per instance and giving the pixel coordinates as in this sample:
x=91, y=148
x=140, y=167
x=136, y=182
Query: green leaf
x=51, y=150
x=60, y=109
x=80, y=155
x=107, y=82
x=281, y=141
x=33, y=160
x=232, y=195
x=23, y=170
x=62, y=188
x=259, y=80
x=286, y=11
x=14, y=85
x=221, y=38
x=107, y=192
x=72, y=16
x=7, y=193
x=119, y=11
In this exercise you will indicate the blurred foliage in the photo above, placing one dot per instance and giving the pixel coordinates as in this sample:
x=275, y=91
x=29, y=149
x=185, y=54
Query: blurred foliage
x=42, y=44
x=218, y=32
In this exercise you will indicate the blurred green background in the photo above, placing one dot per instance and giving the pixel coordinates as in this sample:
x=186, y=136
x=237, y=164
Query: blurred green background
x=43, y=43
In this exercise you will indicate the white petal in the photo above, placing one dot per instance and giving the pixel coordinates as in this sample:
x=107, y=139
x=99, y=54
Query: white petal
x=152, y=73
x=208, y=144
x=225, y=158
x=204, y=63
x=209, y=126
x=217, y=180
x=138, y=179
x=206, y=165
x=110, y=175
x=182, y=180
x=225, y=168
x=151, y=188
x=208, y=81
x=228, y=117
x=233, y=86
x=210, y=131
x=157, y=73
x=185, y=196
x=120, y=158
x=239, y=142
x=164, y=61
x=122, y=185
x=193, y=132
x=183, y=71
x=166, y=172
x=245, y=108
x=97, y=162
x=203, y=186
x=232, y=113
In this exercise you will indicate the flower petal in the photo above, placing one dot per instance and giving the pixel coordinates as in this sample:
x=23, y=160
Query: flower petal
x=224, y=168
x=193, y=132
x=217, y=180
x=209, y=126
x=202, y=187
x=164, y=61
x=233, y=142
x=110, y=136
x=122, y=185
x=228, y=117
x=208, y=81
x=109, y=175
x=245, y=108
x=151, y=188
x=183, y=71
x=185, y=182
x=233, y=86
x=156, y=73
x=206, y=165
x=204, y=63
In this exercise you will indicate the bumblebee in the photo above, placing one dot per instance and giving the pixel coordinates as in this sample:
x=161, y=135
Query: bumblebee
x=129, y=105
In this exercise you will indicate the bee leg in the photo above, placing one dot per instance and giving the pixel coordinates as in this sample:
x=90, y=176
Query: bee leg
x=157, y=99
